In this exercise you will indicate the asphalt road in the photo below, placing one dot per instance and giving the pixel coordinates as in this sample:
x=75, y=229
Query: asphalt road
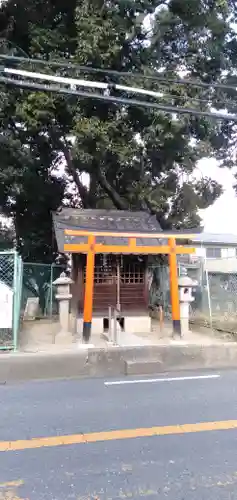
x=196, y=464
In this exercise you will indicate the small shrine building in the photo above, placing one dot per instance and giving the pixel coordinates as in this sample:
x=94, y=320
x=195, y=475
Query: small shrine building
x=110, y=250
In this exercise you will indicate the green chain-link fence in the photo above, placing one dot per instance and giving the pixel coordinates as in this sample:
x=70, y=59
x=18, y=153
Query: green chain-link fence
x=10, y=298
x=38, y=283
x=159, y=291
x=217, y=304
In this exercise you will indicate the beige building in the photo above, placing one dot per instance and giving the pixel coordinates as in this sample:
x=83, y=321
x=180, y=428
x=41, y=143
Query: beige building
x=216, y=252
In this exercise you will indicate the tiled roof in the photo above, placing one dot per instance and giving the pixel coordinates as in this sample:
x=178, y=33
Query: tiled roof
x=118, y=221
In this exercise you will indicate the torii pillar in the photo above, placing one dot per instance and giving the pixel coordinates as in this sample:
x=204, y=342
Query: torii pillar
x=174, y=288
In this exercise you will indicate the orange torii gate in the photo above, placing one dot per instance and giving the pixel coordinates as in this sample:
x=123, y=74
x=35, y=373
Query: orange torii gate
x=91, y=247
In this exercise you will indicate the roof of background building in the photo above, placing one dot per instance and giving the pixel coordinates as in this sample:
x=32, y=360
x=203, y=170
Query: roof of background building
x=212, y=239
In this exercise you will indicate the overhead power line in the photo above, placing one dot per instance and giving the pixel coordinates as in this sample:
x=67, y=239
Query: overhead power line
x=127, y=74
x=97, y=85
x=115, y=100
x=80, y=83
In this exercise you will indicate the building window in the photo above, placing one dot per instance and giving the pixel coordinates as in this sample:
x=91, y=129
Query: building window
x=213, y=253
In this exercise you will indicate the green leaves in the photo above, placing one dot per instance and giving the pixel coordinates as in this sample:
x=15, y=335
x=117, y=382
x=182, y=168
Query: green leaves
x=135, y=158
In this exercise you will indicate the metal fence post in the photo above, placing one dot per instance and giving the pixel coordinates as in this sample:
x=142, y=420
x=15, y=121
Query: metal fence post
x=17, y=286
x=209, y=297
x=110, y=323
x=51, y=292
x=20, y=287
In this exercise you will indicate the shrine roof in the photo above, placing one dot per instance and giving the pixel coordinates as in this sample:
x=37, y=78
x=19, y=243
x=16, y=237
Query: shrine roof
x=116, y=221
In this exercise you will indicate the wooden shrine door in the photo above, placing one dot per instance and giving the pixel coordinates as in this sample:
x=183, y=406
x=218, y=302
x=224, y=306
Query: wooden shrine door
x=120, y=283
x=132, y=287
x=105, y=279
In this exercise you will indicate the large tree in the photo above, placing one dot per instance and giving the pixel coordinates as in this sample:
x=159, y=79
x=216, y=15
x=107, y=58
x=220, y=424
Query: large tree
x=135, y=158
x=6, y=236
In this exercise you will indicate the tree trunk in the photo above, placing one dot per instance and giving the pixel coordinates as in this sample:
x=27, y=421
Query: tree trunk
x=82, y=190
x=111, y=192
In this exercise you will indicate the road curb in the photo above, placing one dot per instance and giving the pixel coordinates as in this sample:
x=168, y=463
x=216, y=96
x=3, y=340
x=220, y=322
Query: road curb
x=114, y=361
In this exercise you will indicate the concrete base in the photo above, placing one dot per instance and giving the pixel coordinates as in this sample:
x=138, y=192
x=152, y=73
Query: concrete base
x=96, y=325
x=142, y=367
x=116, y=361
x=138, y=324
x=63, y=338
x=85, y=346
x=133, y=323
x=184, y=322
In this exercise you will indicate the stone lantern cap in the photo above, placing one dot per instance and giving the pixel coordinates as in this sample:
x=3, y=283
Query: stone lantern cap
x=63, y=287
x=63, y=280
x=186, y=282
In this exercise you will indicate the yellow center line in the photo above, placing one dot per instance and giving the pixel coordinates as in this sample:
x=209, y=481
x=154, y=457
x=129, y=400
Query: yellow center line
x=93, y=437
x=10, y=484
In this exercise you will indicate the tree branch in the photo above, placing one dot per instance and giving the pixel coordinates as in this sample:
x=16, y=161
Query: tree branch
x=92, y=191
x=149, y=206
x=82, y=190
x=111, y=192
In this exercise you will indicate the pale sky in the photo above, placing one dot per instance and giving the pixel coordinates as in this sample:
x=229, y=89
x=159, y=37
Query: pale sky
x=221, y=216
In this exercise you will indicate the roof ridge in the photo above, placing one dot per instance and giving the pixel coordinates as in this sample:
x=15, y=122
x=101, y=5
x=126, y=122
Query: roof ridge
x=103, y=211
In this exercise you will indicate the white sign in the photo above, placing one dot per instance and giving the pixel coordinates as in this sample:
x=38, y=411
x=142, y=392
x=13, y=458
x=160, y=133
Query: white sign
x=6, y=306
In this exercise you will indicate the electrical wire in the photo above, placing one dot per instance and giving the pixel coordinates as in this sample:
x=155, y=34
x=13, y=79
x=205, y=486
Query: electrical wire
x=91, y=69
x=115, y=100
x=97, y=85
x=104, y=86
x=79, y=83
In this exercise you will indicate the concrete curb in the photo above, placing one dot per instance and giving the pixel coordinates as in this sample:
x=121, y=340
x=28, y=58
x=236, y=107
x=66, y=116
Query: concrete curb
x=114, y=361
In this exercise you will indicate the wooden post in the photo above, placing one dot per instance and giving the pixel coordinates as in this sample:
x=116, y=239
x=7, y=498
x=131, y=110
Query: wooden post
x=161, y=318
x=74, y=274
x=89, y=288
x=174, y=289
x=118, y=303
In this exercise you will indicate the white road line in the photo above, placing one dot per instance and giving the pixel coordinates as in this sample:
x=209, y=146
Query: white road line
x=165, y=379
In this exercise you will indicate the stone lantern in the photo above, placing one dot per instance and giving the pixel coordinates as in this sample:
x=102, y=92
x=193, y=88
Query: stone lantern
x=63, y=284
x=186, y=285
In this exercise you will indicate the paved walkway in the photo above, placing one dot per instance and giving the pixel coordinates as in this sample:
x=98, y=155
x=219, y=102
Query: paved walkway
x=130, y=339
x=164, y=336
x=43, y=339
